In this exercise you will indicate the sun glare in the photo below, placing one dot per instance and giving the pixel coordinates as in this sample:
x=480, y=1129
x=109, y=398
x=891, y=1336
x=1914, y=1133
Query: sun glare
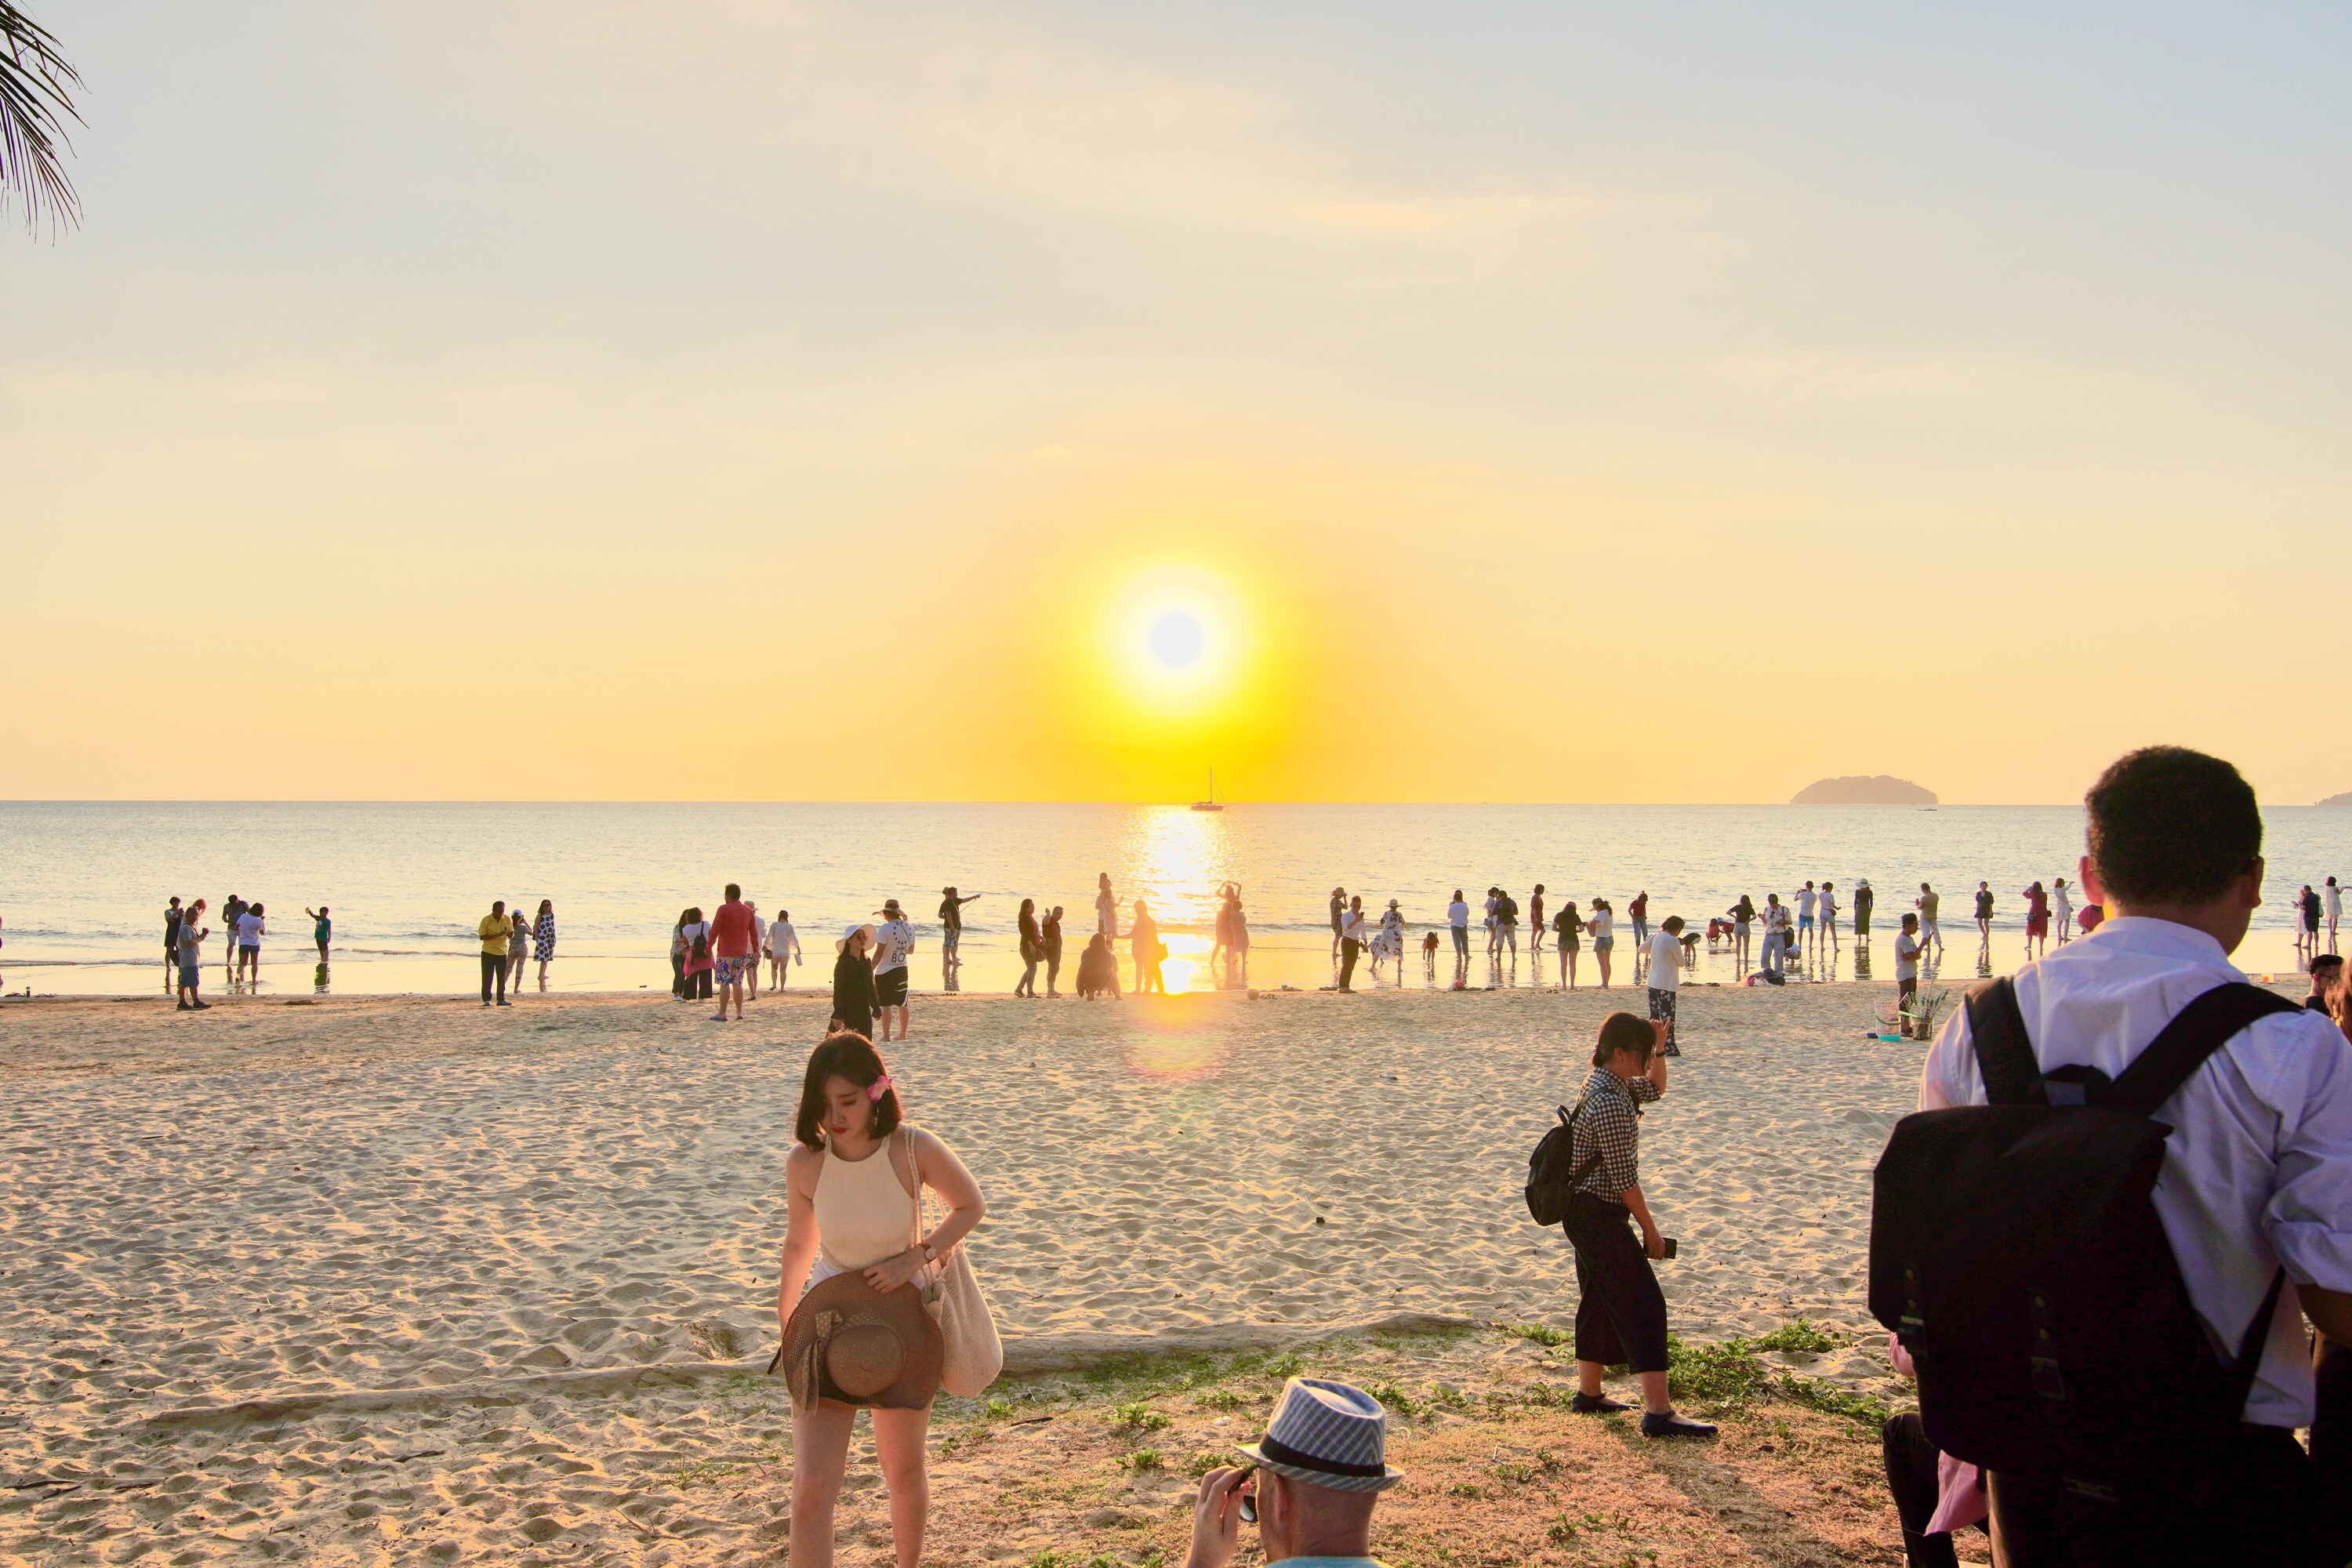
x=1179, y=635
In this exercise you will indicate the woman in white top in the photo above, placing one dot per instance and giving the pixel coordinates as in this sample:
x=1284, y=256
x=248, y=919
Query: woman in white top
x=1106, y=907
x=1603, y=943
x=853, y=1182
x=2062, y=907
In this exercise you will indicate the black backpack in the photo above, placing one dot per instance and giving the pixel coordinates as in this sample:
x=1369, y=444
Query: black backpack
x=1550, y=1182
x=701, y=943
x=2015, y=1253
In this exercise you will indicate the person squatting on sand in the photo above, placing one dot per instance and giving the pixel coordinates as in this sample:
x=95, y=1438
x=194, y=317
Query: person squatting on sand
x=1098, y=970
x=1320, y=1468
x=1621, y=1313
x=2255, y=1187
x=854, y=1183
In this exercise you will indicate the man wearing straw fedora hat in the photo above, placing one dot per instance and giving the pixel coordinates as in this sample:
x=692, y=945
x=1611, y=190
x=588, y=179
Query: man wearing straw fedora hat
x=1324, y=1458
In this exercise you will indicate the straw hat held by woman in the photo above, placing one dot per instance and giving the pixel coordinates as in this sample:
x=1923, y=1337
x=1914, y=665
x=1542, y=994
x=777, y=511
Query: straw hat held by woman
x=854, y=1177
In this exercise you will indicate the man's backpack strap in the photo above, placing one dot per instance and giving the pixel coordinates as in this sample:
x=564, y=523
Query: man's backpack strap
x=2004, y=1052
x=2196, y=1032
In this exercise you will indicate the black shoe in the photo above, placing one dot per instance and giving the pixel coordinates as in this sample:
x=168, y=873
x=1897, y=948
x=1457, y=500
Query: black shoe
x=1596, y=1404
x=198, y=1007
x=1670, y=1425
x=183, y=1006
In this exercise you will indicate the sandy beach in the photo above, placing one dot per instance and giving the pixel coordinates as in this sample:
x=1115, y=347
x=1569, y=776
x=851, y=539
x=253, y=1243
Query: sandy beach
x=401, y=1280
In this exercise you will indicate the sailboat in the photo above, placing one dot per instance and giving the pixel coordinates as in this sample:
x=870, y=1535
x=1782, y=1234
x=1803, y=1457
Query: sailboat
x=1210, y=804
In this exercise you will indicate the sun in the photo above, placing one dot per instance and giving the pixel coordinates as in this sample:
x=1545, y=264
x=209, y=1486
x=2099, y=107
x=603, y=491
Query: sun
x=1178, y=633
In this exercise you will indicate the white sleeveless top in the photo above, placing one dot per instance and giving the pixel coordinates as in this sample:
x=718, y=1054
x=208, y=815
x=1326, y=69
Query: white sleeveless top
x=864, y=1212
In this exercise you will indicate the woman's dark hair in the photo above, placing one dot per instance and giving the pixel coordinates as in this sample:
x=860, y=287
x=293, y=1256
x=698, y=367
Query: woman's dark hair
x=2171, y=826
x=850, y=1054
x=1623, y=1032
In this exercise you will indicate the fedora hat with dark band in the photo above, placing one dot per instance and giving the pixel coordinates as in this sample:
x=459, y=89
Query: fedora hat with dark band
x=848, y=1343
x=1327, y=1435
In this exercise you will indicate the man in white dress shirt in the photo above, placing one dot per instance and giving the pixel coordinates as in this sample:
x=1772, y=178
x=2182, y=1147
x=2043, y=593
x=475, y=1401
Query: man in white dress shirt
x=2257, y=1174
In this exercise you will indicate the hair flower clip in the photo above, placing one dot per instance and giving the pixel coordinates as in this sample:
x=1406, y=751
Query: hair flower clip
x=878, y=1088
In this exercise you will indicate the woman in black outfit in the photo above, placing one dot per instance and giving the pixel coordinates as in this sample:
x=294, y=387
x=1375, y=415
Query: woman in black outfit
x=677, y=957
x=1620, y=1317
x=853, y=982
x=1053, y=946
x=1033, y=948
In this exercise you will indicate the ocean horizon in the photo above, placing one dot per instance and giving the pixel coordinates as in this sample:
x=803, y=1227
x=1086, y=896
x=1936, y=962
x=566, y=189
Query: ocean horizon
x=83, y=884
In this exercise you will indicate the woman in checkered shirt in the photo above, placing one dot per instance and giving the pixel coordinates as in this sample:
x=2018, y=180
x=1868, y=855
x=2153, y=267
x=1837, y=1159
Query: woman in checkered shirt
x=1621, y=1313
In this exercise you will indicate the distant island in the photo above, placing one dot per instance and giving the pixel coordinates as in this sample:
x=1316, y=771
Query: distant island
x=2343, y=799
x=1878, y=790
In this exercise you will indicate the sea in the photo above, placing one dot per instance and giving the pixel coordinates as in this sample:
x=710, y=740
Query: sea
x=83, y=885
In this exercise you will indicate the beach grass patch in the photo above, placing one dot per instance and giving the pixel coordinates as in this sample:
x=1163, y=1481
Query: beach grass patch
x=1831, y=1399
x=1220, y=1399
x=998, y=1408
x=1143, y=1459
x=1138, y=1416
x=1537, y=1333
x=1798, y=1337
x=1725, y=1376
x=1204, y=1460
x=1392, y=1395
x=1284, y=1367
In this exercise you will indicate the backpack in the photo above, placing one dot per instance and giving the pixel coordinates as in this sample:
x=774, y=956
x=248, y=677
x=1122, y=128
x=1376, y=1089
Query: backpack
x=701, y=942
x=2014, y=1252
x=1508, y=911
x=1551, y=1183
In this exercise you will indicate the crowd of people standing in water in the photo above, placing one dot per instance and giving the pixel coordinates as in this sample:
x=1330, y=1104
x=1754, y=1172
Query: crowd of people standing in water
x=723, y=956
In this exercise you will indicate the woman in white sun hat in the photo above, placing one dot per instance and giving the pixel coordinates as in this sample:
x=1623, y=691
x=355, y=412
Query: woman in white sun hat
x=1324, y=1458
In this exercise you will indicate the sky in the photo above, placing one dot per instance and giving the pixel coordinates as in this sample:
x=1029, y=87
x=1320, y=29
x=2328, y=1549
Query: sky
x=1367, y=402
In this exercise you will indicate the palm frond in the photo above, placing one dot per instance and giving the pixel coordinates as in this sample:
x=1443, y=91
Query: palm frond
x=35, y=104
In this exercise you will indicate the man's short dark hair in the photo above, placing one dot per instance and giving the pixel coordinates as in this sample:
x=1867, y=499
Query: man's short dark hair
x=2325, y=964
x=2171, y=826
x=733, y=891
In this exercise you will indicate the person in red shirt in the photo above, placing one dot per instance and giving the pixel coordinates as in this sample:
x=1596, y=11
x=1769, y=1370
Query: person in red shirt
x=735, y=947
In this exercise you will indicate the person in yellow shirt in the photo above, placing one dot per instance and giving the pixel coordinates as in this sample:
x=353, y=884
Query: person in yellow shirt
x=494, y=930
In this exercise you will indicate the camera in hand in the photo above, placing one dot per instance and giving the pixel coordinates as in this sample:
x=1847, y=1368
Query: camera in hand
x=1672, y=1246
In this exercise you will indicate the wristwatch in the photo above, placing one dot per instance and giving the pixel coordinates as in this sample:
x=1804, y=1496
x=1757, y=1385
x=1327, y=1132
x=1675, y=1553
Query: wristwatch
x=930, y=1253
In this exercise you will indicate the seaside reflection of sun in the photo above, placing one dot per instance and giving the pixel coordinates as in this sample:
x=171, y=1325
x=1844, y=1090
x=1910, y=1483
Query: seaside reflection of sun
x=1165, y=1050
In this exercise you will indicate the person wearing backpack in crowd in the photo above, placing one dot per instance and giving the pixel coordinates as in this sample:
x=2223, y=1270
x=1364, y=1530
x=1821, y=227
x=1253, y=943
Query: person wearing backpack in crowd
x=2167, y=1373
x=1621, y=1313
